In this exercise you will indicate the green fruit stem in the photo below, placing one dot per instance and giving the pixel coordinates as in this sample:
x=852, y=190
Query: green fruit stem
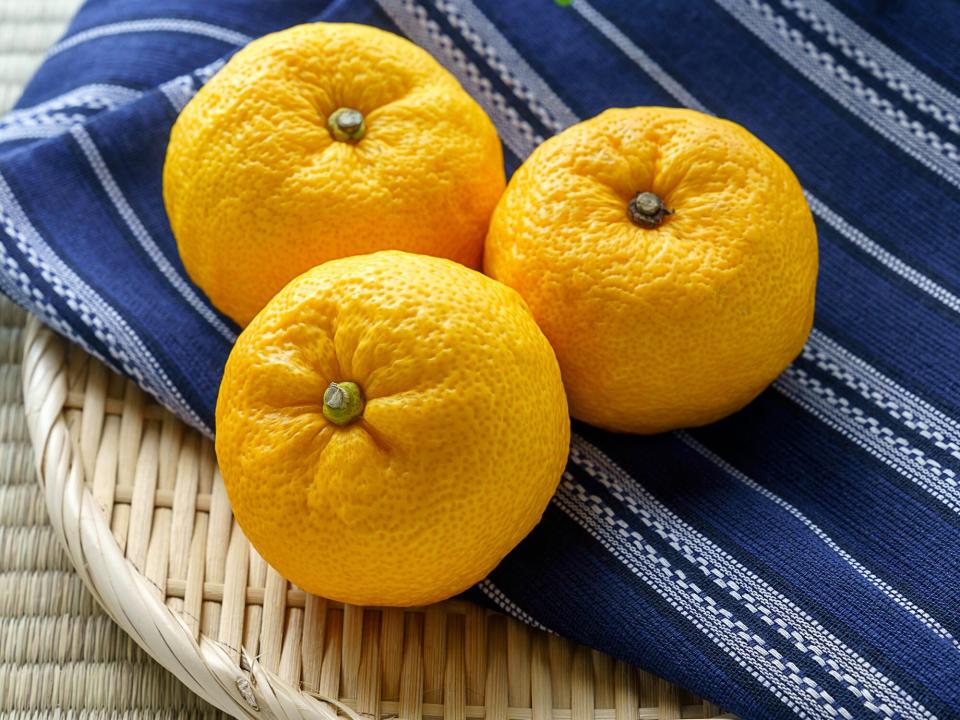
x=346, y=125
x=343, y=402
x=647, y=210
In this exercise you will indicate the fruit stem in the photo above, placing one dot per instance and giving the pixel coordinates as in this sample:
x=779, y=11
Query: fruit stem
x=647, y=210
x=342, y=402
x=346, y=125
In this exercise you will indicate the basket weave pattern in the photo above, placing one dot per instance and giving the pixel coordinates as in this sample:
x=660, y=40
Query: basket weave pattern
x=138, y=502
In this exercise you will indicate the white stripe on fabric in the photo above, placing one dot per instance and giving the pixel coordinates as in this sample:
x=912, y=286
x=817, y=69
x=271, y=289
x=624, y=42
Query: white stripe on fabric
x=517, y=133
x=129, y=215
x=902, y=400
x=96, y=96
x=122, y=343
x=510, y=66
x=175, y=25
x=52, y=117
x=638, y=56
x=59, y=120
x=862, y=101
x=488, y=588
x=919, y=613
x=768, y=667
x=208, y=71
x=880, y=61
x=181, y=89
x=33, y=133
x=16, y=284
x=901, y=404
x=877, y=692
x=884, y=257
x=880, y=441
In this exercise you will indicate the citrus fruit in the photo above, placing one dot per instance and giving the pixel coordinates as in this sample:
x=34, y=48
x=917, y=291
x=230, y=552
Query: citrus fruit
x=322, y=141
x=389, y=427
x=670, y=258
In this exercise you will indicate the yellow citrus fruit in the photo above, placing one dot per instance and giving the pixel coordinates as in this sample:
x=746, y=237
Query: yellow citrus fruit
x=669, y=257
x=322, y=141
x=389, y=427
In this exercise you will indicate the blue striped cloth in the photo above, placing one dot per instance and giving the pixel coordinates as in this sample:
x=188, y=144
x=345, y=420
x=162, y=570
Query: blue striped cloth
x=799, y=558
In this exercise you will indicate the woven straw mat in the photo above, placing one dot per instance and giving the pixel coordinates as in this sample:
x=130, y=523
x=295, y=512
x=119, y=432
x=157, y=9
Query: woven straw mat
x=61, y=655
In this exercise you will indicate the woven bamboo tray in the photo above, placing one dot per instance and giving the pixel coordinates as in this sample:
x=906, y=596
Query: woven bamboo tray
x=137, y=500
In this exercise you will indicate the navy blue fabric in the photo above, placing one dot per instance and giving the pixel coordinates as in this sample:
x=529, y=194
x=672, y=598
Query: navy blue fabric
x=801, y=557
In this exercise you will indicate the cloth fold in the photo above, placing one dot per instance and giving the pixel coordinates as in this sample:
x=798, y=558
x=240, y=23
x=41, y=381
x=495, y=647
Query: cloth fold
x=801, y=557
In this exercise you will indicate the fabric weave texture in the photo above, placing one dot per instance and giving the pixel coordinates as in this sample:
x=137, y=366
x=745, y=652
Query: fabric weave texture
x=800, y=558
